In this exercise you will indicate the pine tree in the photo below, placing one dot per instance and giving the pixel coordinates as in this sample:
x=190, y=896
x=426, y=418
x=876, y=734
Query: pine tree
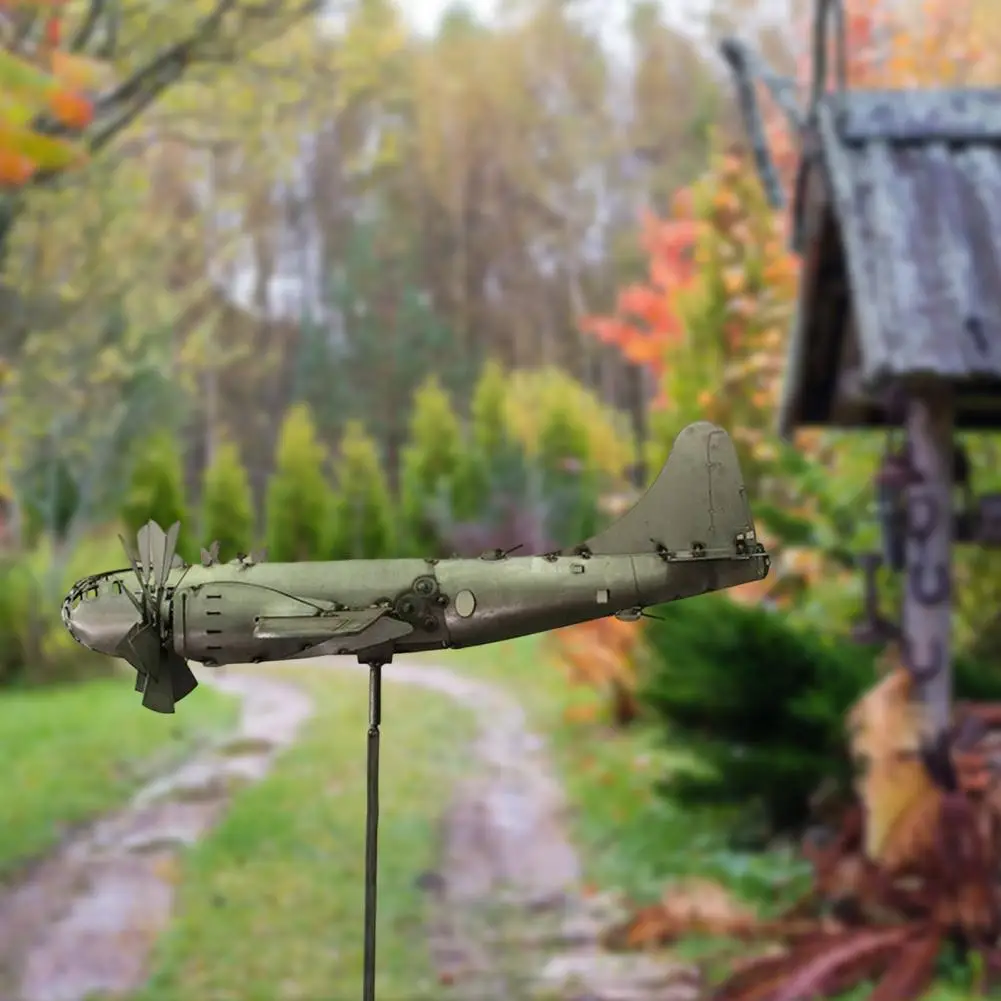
x=227, y=504
x=298, y=499
x=156, y=490
x=430, y=462
x=361, y=520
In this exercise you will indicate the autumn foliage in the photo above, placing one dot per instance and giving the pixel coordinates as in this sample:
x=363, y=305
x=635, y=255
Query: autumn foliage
x=41, y=85
x=602, y=655
x=883, y=908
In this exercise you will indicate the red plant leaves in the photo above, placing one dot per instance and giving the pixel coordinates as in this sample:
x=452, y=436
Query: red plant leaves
x=860, y=955
x=912, y=971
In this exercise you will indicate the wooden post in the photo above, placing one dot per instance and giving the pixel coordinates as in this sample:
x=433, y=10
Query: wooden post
x=927, y=608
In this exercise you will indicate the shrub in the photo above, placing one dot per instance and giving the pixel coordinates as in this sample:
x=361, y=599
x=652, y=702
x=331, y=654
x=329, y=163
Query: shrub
x=534, y=395
x=490, y=445
x=298, y=497
x=50, y=499
x=361, y=519
x=227, y=504
x=570, y=477
x=762, y=704
x=430, y=463
x=156, y=490
x=35, y=647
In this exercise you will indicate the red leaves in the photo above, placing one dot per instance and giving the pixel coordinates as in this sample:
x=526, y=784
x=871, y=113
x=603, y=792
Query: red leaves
x=647, y=322
x=53, y=32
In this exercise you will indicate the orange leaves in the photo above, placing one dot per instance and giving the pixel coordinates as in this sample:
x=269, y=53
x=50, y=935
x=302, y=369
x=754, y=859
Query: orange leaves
x=42, y=81
x=647, y=322
x=690, y=907
x=71, y=109
x=15, y=169
x=601, y=655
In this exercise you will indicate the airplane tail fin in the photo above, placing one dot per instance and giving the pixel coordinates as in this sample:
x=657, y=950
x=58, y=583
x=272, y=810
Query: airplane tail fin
x=697, y=505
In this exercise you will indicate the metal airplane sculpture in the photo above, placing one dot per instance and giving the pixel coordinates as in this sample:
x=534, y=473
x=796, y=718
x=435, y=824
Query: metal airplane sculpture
x=692, y=532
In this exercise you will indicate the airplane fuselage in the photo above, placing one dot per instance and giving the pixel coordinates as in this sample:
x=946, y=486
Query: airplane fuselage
x=241, y=612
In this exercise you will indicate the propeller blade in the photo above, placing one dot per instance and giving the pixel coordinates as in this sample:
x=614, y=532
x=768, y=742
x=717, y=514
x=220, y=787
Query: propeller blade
x=133, y=554
x=159, y=694
x=166, y=559
x=141, y=648
x=175, y=682
x=181, y=676
x=152, y=540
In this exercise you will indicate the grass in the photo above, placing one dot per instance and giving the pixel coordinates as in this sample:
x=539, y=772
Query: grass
x=270, y=903
x=69, y=753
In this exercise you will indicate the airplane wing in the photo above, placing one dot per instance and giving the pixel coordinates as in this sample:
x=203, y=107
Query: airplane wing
x=317, y=628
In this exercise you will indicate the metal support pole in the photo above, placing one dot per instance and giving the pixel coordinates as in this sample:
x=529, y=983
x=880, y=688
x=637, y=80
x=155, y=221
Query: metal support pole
x=372, y=829
x=927, y=609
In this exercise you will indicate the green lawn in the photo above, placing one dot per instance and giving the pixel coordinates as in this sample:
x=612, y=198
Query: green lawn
x=71, y=752
x=270, y=904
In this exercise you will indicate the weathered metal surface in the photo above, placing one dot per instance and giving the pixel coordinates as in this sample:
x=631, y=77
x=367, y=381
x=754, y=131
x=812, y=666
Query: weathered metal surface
x=918, y=228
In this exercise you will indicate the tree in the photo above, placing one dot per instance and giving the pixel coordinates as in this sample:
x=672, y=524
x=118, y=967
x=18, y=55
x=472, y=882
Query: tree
x=43, y=84
x=227, y=504
x=156, y=490
x=712, y=319
x=361, y=519
x=48, y=60
x=430, y=461
x=298, y=498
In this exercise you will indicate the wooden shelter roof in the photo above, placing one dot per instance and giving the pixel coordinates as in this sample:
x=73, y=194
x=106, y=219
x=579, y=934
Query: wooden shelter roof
x=898, y=216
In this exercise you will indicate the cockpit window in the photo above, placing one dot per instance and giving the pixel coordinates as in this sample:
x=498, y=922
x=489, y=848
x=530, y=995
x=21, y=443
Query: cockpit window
x=90, y=593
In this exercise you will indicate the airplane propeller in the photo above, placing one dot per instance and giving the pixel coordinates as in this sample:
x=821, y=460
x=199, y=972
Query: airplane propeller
x=162, y=675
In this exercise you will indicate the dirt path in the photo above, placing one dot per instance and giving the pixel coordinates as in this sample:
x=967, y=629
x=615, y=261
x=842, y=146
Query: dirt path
x=83, y=922
x=507, y=920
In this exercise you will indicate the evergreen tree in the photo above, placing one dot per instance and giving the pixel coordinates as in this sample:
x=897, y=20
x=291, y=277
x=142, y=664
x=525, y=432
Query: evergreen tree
x=570, y=481
x=227, y=504
x=156, y=490
x=298, y=498
x=430, y=462
x=493, y=459
x=361, y=522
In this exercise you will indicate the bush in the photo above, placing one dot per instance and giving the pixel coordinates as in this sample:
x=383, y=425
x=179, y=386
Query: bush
x=361, y=519
x=535, y=395
x=298, y=499
x=570, y=477
x=35, y=647
x=227, y=504
x=156, y=491
x=490, y=443
x=50, y=499
x=430, y=464
x=762, y=704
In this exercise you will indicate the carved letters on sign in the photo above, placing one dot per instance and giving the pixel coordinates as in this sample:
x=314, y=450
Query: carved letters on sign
x=928, y=578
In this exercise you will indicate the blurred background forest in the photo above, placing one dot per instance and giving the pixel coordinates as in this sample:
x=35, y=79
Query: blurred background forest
x=358, y=291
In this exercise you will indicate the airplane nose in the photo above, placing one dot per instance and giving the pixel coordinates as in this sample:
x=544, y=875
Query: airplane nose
x=98, y=623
